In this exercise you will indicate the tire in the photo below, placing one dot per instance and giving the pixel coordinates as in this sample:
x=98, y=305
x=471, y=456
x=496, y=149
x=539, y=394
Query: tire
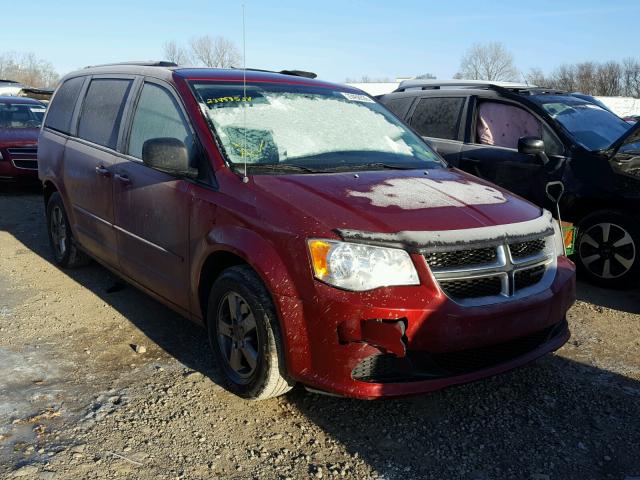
x=247, y=346
x=63, y=246
x=608, y=249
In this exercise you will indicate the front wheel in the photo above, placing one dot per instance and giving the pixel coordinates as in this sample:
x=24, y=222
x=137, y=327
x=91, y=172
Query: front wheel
x=245, y=335
x=607, y=249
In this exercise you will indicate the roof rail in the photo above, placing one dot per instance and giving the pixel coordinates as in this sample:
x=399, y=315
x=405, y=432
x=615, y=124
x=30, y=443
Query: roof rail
x=160, y=63
x=295, y=73
x=436, y=85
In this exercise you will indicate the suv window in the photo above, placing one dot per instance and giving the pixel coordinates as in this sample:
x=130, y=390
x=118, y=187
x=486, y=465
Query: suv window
x=502, y=125
x=61, y=108
x=102, y=111
x=158, y=115
x=399, y=106
x=438, y=117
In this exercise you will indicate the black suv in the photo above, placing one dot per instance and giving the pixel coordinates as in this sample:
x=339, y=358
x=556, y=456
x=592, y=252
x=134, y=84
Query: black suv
x=522, y=138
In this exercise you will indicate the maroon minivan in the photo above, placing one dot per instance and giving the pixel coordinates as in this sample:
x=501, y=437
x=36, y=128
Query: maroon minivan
x=315, y=236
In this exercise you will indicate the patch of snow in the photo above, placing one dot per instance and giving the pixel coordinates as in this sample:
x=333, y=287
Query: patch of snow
x=622, y=106
x=522, y=231
x=417, y=193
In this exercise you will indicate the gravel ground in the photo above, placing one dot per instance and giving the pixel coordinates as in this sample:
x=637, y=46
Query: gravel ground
x=77, y=401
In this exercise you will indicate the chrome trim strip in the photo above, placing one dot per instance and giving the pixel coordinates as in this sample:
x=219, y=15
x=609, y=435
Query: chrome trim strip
x=26, y=160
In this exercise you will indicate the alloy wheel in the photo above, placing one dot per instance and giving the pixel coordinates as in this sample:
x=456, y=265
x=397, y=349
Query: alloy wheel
x=607, y=250
x=58, y=231
x=237, y=336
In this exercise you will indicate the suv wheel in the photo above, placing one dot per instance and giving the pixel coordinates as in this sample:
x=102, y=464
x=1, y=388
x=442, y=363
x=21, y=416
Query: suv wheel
x=607, y=249
x=245, y=335
x=65, y=251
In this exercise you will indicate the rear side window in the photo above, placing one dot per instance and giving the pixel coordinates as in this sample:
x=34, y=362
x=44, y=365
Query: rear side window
x=102, y=111
x=399, y=106
x=438, y=117
x=158, y=115
x=63, y=104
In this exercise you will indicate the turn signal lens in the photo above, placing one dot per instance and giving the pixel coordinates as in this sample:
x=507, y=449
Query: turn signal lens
x=319, y=253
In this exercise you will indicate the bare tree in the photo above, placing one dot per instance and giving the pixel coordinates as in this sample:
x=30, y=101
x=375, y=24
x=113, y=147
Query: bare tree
x=489, y=61
x=176, y=53
x=426, y=76
x=631, y=77
x=608, y=79
x=367, y=79
x=536, y=77
x=215, y=52
x=26, y=68
x=564, y=78
x=585, y=77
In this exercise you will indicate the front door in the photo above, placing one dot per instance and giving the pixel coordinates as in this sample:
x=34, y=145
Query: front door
x=151, y=207
x=493, y=152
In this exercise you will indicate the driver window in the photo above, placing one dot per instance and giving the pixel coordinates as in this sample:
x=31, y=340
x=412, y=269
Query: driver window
x=502, y=125
x=157, y=116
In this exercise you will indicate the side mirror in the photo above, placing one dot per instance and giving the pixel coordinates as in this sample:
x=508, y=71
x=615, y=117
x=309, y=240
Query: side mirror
x=530, y=145
x=168, y=155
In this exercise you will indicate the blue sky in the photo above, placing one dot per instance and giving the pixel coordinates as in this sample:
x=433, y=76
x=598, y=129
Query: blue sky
x=336, y=39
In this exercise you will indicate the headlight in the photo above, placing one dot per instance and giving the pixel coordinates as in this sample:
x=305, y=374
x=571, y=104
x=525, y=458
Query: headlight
x=360, y=267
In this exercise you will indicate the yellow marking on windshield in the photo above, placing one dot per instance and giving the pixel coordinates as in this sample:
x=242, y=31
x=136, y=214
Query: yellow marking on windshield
x=228, y=99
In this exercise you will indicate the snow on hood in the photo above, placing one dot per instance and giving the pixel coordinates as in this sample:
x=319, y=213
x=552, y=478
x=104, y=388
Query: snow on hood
x=390, y=201
x=417, y=193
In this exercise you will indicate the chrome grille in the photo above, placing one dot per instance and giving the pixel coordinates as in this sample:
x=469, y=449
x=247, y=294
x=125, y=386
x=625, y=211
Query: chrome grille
x=527, y=278
x=460, y=258
x=494, y=274
x=526, y=249
x=473, y=287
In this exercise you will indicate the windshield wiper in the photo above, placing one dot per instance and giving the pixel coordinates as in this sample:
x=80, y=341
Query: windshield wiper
x=278, y=167
x=366, y=166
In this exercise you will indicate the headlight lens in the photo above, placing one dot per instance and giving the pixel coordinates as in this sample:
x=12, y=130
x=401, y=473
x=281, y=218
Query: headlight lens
x=360, y=267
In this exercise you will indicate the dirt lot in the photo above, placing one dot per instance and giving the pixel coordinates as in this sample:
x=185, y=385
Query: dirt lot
x=76, y=400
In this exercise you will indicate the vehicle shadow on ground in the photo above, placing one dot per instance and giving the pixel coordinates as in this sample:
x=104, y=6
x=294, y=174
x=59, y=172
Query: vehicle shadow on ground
x=623, y=300
x=179, y=337
x=555, y=417
x=569, y=419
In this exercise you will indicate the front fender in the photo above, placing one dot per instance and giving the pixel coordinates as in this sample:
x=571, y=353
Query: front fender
x=268, y=263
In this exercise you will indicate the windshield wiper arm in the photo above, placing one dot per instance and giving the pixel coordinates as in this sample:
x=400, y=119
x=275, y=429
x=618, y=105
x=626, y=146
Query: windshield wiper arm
x=364, y=166
x=278, y=167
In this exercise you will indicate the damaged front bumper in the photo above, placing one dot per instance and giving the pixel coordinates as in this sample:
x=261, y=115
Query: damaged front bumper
x=409, y=340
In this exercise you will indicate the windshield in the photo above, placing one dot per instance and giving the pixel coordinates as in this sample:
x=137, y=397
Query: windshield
x=291, y=126
x=590, y=125
x=21, y=115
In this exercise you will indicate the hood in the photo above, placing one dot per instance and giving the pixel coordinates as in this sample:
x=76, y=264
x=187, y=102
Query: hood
x=630, y=136
x=393, y=201
x=18, y=136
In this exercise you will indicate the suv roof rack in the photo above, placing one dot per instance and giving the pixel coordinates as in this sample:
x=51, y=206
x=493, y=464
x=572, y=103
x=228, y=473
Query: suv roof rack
x=478, y=84
x=159, y=63
x=295, y=73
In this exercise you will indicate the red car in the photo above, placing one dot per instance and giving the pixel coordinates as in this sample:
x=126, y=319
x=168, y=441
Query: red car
x=20, y=120
x=315, y=236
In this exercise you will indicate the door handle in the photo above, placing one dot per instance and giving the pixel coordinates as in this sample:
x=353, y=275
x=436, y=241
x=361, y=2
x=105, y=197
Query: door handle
x=103, y=171
x=122, y=178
